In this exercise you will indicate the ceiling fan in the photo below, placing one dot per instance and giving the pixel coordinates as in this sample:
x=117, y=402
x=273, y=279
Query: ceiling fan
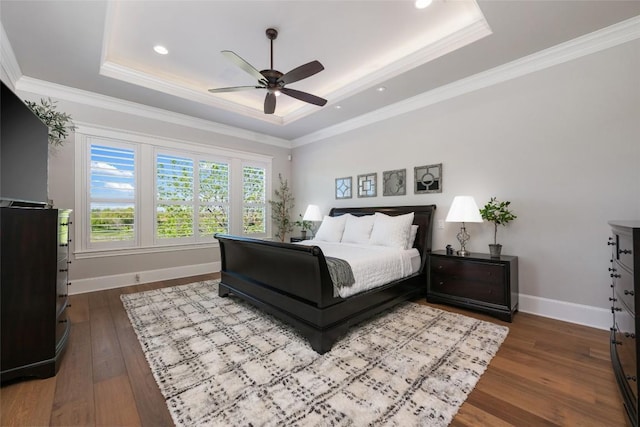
x=274, y=81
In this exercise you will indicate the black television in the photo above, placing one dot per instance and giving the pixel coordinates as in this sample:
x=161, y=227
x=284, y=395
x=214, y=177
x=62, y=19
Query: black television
x=24, y=151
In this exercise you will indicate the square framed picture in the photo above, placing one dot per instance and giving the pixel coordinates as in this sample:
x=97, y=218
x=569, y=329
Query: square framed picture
x=428, y=179
x=343, y=188
x=394, y=183
x=367, y=185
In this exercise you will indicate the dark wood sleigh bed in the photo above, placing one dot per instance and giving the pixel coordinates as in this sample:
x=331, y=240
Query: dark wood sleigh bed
x=292, y=282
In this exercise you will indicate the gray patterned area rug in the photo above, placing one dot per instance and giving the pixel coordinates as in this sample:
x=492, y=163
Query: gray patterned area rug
x=221, y=362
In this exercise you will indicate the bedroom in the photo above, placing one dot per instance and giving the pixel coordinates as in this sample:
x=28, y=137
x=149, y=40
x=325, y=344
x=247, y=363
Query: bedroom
x=559, y=142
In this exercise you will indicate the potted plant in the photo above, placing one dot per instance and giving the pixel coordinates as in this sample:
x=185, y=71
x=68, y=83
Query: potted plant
x=304, y=226
x=281, y=206
x=497, y=212
x=59, y=124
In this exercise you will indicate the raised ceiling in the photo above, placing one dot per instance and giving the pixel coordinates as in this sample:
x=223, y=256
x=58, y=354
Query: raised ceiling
x=107, y=48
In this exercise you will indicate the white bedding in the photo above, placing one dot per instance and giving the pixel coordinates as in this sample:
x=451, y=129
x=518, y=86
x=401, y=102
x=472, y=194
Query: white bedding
x=372, y=265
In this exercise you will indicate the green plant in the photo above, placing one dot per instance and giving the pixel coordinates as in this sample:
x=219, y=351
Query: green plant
x=303, y=224
x=59, y=124
x=498, y=213
x=281, y=208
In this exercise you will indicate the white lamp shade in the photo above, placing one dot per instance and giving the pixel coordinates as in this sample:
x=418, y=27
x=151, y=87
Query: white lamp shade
x=312, y=213
x=463, y=209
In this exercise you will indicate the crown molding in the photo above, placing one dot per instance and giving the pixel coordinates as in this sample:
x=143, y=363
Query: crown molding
x=66, y=93
x=8, y=58
x=596, y=41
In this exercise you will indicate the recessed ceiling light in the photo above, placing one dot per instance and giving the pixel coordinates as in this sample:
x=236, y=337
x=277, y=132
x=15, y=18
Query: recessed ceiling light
x=338, y=107
x=381, y=89
x=421, y=4
x=160, y=49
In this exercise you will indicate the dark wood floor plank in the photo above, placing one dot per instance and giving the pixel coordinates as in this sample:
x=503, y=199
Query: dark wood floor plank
x=27, y=403
x=117, y=404
x=105, y=347
x=74, y=403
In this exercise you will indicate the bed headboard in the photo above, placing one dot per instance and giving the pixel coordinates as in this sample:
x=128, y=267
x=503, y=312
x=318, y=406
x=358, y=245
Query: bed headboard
x=423, y=218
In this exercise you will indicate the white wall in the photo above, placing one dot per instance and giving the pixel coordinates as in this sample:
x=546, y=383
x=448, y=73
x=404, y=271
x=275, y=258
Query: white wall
x=563, y=144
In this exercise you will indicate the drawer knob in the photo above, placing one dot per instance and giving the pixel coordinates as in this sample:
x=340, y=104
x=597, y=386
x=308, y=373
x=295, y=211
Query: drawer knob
x=615, y=275
x=612, y=269
x=631, y=378
x=62, y=270
x=614, y=309
x=624, y=251
x=610, y=243
x=63, y=295
x=62, y=321
x=616, y=342
x=630, y=335
x=626, y=292
x=613, y=299
x=613, y=329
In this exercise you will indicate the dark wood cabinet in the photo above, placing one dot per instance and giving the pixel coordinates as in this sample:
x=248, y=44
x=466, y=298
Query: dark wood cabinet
x=35, y=263
x=478, y=282
x=625, y=284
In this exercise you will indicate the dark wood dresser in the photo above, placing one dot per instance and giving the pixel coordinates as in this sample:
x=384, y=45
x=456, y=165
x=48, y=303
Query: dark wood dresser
x=35, y=265
x=477, y=281
x=625, y=283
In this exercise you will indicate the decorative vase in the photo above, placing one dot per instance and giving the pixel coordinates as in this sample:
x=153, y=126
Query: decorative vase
x=494, y=250
x=304, y=234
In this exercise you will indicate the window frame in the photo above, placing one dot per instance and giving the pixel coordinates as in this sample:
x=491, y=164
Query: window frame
x=145, y=219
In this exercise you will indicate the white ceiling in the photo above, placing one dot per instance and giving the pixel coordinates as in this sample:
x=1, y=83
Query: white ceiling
x=106, y=48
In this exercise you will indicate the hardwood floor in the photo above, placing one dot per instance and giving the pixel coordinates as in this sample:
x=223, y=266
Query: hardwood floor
x=547, y=373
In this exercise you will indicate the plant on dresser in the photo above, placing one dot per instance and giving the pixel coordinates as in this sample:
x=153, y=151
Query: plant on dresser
x=625, y=284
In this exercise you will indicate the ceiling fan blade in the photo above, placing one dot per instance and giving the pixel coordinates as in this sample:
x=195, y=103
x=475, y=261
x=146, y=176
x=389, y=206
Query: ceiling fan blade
x=270, y=103
x=234, y=89
x=302, y=72
x=233, y=57
x=304, y=96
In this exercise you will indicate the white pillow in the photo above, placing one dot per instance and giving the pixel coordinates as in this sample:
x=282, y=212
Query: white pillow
x=357, y=229
x=412, y=237
x=391, y=231
x=331, y=228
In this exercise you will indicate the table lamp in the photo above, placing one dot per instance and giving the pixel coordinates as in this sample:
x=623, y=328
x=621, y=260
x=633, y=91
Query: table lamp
x=463, y=209
x=314, y=215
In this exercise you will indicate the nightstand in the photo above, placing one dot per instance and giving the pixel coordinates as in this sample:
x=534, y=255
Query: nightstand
x=477, y=282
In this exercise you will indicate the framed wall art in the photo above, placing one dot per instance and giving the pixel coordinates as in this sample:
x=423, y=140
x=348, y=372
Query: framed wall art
x=367, y=185
x=394, y=183
x=343, y=188
x=428, y=179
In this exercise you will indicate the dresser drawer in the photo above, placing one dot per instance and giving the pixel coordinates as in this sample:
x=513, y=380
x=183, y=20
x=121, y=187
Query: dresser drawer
x=626, y=349
x=624, y=288
x=625, y=250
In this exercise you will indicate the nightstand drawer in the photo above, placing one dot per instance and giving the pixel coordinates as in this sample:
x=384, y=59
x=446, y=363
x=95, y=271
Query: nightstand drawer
x=487, y=291
x=469, y=270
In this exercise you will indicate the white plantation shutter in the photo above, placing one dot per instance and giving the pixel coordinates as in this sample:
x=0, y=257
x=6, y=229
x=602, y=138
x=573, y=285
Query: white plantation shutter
x=214, y=198
x=112, y=195
x=174, y=197
x=254, y=203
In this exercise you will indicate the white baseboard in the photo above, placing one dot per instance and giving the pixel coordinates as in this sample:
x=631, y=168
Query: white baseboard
x=81, y=286
x=587, y=315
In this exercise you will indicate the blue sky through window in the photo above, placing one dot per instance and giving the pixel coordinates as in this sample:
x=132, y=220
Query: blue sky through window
x=112, y=173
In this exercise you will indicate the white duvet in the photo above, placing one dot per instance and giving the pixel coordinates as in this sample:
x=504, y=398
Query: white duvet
x=372, y=266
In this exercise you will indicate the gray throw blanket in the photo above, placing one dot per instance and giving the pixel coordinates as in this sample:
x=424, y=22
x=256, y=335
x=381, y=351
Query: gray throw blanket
x=340, y=272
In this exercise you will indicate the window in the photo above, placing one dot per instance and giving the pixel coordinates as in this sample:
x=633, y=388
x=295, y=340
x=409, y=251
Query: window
x=112, y=195
x=137, y=193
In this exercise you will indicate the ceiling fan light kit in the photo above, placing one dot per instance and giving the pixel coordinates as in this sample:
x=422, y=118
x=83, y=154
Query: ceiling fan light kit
x=273, y=80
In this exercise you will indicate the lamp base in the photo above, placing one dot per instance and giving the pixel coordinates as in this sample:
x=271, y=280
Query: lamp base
x=463, y=253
